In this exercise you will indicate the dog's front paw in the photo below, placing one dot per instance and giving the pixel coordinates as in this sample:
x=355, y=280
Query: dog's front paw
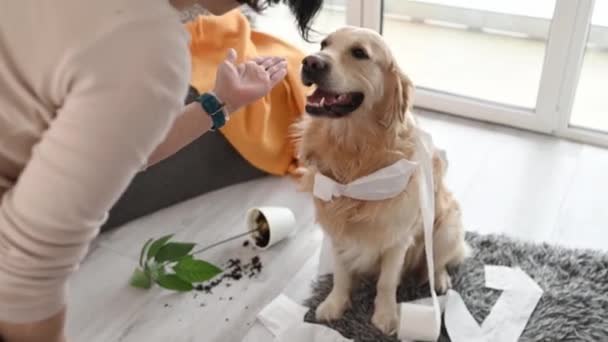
x=443, y=282
x=332, y=308
x=386, y=318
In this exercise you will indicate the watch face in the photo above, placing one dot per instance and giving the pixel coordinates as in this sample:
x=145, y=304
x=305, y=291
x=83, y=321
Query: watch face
x=211, y=103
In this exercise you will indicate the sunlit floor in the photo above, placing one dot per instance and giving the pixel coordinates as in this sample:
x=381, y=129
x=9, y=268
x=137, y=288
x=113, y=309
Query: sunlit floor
x=491, y=67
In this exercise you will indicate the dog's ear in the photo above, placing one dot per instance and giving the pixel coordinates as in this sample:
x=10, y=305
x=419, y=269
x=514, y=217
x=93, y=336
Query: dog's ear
x=399, y=96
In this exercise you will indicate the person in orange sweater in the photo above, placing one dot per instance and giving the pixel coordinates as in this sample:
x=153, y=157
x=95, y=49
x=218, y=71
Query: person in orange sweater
x=255, y=143
x=91, y=93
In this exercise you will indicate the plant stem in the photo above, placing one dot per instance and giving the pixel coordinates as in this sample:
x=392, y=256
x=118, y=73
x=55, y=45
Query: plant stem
x=224, y=241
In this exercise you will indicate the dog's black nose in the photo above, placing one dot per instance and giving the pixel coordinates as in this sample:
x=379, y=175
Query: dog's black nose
x=314, y=68
x=314, y=63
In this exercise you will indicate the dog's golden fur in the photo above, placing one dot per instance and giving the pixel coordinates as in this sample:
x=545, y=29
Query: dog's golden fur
x=384, y=237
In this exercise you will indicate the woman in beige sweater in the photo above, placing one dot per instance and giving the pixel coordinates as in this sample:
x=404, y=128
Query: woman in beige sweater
x=91, y=92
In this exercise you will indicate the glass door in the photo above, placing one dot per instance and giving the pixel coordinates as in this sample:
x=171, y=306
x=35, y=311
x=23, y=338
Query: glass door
x=485, y=50
x=481, y=59
x=538, y=65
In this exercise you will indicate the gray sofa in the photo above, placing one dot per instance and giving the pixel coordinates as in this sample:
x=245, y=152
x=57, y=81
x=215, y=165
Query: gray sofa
x=210, y=163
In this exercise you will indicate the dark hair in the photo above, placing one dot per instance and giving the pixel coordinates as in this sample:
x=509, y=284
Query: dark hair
x=304, y=11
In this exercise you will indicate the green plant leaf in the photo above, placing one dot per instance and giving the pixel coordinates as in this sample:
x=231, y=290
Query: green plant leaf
x=195, y=271
x=173, y=251
x=157, y=245
x=156, y=270
x=140, y=279
x=143, y=252
x=173, y=282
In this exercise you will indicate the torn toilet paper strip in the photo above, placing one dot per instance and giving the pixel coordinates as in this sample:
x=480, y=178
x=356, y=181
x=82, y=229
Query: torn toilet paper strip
x=421, y=322
x=285, y=320
x=511, y=312
x=507, y=318
x=306, y=332
x=280, y=314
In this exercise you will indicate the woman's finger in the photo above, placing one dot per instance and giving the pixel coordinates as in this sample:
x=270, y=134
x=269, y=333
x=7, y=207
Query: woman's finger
x=261, y=73
x=247, y=67
x=228, y=70
x=231, y=57
x=276, y=61
x=254, y=71
x=276, y=71
x=252, y=66
x=276, y=67
x=269, y=62
x=261, y=59
x=277, y=76
x=240, y=69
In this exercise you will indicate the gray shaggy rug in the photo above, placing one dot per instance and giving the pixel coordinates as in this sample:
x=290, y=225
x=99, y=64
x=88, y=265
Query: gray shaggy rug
x=574, y=305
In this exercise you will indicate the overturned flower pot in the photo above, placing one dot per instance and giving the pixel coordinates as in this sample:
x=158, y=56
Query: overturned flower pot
x=270, y=225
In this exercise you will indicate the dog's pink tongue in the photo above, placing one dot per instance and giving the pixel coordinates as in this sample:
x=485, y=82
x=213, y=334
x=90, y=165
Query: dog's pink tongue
x=328, y=98
x=332, y=99
x=317, y=96
x=338, y=99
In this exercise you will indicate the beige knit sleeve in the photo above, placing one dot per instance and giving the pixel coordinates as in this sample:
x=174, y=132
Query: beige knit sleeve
x=123, y=93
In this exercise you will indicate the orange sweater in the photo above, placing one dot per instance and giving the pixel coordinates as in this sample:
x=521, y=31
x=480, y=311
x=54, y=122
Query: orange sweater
x=259, y=132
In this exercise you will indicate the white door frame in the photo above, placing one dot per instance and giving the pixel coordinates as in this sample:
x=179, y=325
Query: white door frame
x=564, y=53
x=354, y=12
x=362, y=13
x=573, y=68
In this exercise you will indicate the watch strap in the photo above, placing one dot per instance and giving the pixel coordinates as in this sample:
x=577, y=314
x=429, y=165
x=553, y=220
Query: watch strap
x=215, y=108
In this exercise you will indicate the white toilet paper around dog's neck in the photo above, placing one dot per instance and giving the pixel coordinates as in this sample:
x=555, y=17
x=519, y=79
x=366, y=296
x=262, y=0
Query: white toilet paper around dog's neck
x=385, y=183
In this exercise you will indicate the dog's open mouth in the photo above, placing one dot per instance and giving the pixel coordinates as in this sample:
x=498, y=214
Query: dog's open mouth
x=327, y=103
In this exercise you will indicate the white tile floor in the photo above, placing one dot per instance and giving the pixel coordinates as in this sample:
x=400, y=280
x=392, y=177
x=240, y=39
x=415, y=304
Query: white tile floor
x=511, y=181
x=522, y=184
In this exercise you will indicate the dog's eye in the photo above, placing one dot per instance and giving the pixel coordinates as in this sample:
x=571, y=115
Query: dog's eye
x=323, y=44
x=359, y=53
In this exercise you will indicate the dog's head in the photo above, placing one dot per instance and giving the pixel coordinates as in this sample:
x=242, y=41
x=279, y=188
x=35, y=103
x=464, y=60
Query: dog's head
x=355, y=75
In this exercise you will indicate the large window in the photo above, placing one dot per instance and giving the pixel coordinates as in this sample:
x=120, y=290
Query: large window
x=477, y=49
x=540, y=65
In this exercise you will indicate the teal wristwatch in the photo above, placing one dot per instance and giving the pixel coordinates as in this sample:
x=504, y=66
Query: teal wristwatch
x=212, y=105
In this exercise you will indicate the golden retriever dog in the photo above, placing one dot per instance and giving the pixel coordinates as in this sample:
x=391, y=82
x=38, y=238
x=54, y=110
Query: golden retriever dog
x=359, y=120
